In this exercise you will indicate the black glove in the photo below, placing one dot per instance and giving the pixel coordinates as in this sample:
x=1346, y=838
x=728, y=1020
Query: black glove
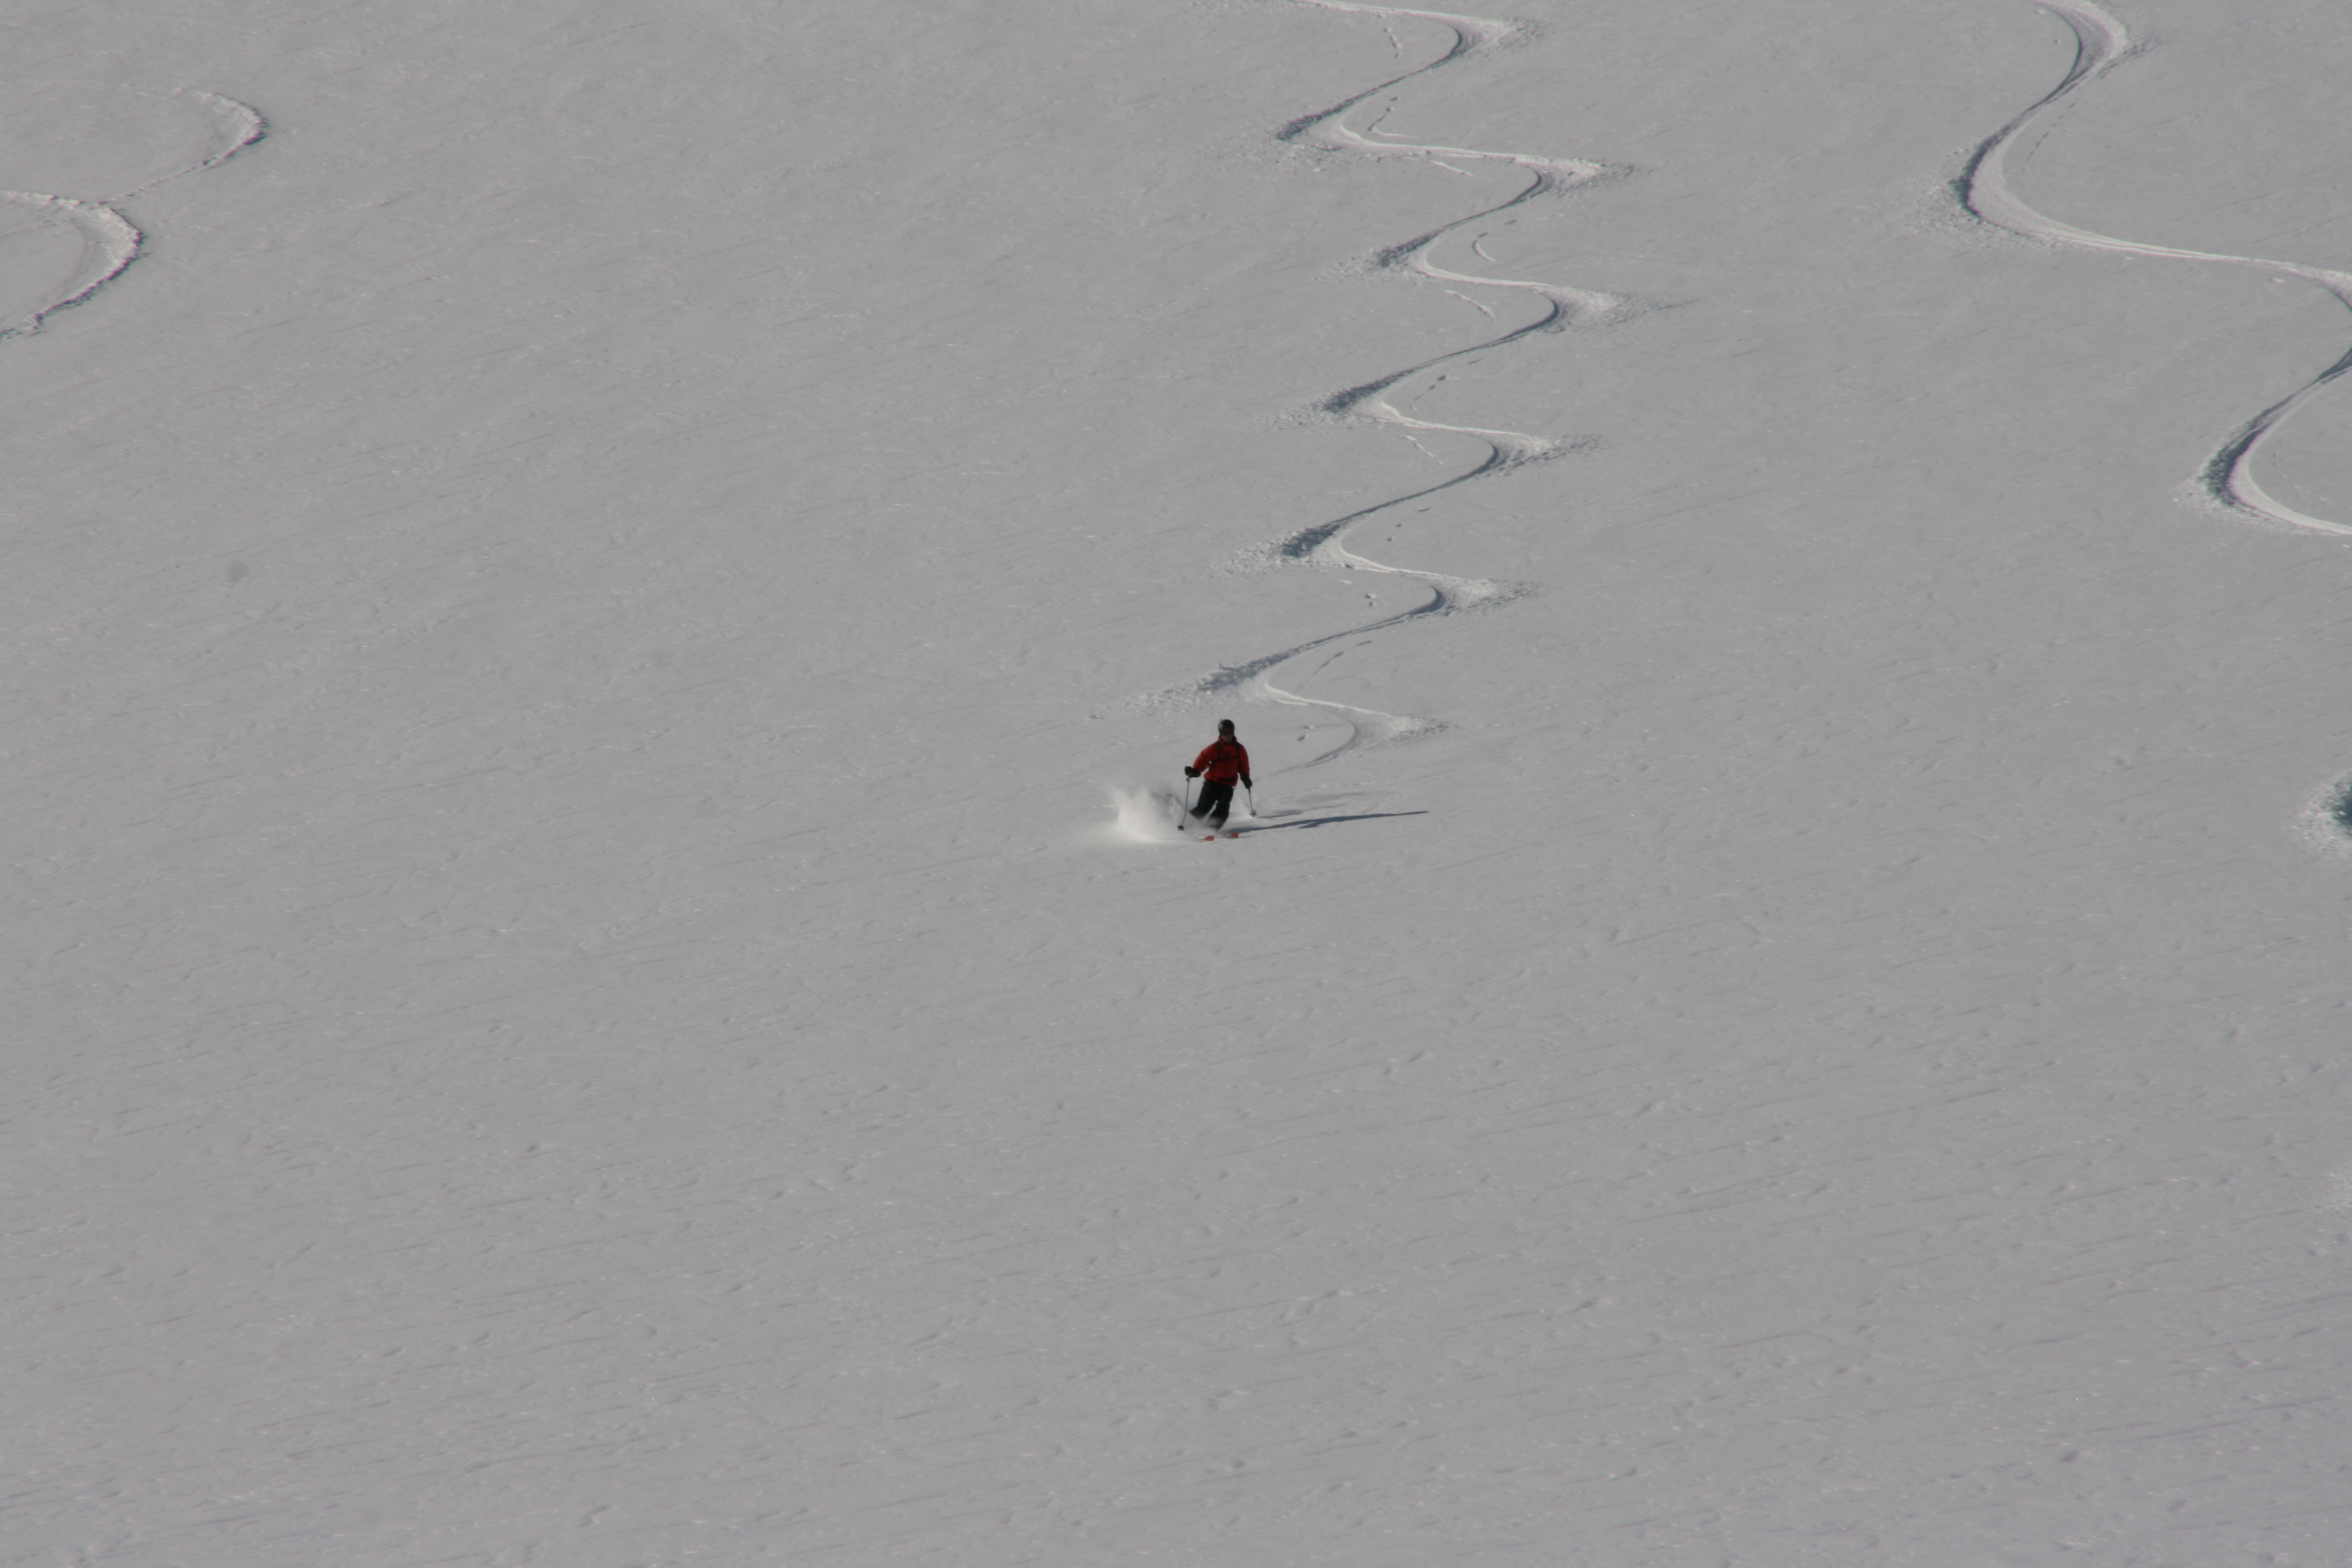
x=1192, y=773
x=1245, y=783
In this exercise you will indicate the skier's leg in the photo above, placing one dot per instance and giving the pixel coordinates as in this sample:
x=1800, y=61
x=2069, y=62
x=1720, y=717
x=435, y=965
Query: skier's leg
x=1216, y=801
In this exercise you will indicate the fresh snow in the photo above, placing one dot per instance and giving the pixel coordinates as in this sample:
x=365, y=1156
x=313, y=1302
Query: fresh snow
x=606, y=601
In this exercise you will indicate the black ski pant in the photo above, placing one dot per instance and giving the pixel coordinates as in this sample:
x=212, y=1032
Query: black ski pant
x=1216, y=802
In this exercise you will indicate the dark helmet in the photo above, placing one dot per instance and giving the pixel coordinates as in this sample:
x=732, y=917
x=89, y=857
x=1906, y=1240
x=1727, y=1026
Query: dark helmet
x=1225, y=726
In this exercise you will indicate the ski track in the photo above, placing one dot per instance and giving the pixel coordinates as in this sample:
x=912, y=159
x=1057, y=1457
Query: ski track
x=110, y=242
x=1324, y=545
x=2227, y=478
x=2100, y=43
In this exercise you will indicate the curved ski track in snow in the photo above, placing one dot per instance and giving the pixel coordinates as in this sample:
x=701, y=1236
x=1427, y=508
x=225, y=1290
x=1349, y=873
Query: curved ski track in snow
x=1324, y=545
x=110, y=242
x=2100, y=41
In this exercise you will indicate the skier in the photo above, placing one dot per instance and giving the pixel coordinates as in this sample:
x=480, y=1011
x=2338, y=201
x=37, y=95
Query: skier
x=1222, y=761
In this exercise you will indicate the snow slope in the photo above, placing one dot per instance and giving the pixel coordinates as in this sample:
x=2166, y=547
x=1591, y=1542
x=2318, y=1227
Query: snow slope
x=580, y=615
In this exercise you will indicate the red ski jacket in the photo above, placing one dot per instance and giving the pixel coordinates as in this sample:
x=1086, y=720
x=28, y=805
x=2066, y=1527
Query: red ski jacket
x=1223, y=760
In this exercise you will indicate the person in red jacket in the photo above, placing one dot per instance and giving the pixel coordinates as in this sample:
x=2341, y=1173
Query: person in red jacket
x=1222, y=761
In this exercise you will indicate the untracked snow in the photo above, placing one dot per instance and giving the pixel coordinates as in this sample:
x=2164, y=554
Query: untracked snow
x=606, y=604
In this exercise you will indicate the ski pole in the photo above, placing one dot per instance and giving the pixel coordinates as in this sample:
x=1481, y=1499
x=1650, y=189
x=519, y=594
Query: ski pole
x=1251, y=795
x=1185, y=797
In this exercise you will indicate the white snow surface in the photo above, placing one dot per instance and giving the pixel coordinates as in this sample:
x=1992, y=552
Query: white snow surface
x=605, y=601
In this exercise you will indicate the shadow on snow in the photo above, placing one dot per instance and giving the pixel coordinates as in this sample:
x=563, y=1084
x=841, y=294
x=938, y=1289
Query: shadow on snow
x=1260, y=824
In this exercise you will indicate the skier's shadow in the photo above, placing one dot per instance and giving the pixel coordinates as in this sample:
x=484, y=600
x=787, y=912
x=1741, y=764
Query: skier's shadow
x=1261, y=824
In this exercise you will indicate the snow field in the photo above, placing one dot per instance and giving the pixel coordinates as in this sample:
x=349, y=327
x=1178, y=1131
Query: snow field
x=580, y=998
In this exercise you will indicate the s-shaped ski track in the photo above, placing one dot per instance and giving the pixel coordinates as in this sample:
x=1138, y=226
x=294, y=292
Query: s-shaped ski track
x=2100, y=42
x=110, y=242
x=2227, y=476
x=1324, y=544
